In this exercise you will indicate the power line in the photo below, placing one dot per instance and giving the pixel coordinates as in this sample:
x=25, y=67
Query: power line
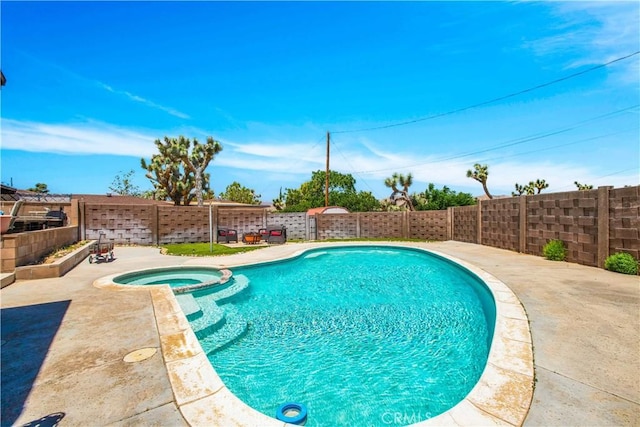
x=605, y=176
x=269, y=186
x=491, y=101
x=349, y=164
x=553, y=147
x=514, y=141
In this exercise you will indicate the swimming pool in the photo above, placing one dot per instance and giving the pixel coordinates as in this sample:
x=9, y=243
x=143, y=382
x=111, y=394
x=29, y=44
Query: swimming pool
x=357, y=334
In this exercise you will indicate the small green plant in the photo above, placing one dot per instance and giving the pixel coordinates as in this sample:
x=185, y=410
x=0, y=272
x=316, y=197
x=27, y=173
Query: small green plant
x=621, y=262
x=555, y=250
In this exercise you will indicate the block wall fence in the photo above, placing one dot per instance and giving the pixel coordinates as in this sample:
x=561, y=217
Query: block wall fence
x=593, y=224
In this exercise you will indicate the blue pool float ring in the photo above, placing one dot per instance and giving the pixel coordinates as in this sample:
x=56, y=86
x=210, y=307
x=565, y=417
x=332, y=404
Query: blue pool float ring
x=296, y=419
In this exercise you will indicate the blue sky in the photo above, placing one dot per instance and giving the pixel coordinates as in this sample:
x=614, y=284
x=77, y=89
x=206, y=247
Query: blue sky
x=91, y=85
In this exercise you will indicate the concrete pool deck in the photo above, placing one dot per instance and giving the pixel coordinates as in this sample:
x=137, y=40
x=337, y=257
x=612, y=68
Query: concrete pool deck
x=64, y=341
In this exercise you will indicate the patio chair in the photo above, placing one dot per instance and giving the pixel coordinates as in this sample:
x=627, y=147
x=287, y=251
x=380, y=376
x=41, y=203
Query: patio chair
x=277, y=234
x=264, y=234
x=227, y=235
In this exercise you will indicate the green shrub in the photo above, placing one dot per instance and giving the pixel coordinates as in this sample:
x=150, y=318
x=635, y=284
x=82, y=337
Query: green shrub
x=621, y=262
x=555, y=250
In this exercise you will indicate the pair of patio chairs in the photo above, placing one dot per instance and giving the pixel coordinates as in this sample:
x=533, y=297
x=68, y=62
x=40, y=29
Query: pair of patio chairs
x=226, y=235
x=274, y=234
x=271, y=234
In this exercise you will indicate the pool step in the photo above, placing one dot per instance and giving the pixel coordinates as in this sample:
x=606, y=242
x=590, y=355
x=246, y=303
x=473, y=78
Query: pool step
x=240, y=283
x=211, y=320
x=234, y=328
x=189, y=305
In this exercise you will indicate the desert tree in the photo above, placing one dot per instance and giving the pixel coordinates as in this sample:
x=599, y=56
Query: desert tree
x=583, y=187
x=533, y=187
x=177, y=171
x=539, y=185
x=480, y=173
x=198, y=159
x=400, y=197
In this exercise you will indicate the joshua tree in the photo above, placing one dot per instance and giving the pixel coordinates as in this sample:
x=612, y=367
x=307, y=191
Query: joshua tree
x=539, y=185
x=400, y=197
x=583, y=187
x=176, y=172
x=520, y=190
x=198, y=160
x=530, y=188
x=480, y=173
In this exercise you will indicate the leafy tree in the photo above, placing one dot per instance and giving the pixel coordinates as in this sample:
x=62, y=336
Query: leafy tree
x=177, y=173
x=237, y=193
x=342, y=192
x=362, y=201
x=39, y=188
x=583, y=187
x=435, y=199
x=124, y=186
x=480, y=173
x=400, y=197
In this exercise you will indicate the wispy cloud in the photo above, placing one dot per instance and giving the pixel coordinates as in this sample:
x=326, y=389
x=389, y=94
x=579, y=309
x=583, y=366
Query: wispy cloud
x=368, y=162
x=75, y=138
x=75, y=77
x=588, y=33
x=144, y=101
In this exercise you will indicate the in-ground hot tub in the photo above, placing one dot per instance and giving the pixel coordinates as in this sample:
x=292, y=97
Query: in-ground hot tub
x=180, y=278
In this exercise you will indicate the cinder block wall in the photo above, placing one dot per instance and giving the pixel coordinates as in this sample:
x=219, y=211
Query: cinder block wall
x=428, y=225
x=571, y=217
x=25, y=248
x=376, y=225
x=500, y=220
x=624, y=221
x=181, y=224
x=297, y=223
x=243, y=220
x=593, y=224
x=337, y=226
x=122, y=224
x=465, y=224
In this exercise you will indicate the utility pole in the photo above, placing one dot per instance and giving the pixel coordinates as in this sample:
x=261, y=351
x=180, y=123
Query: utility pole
x=326, y=183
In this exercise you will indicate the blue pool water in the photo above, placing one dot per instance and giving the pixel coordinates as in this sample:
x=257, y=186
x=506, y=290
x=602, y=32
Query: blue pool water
x=360, y=335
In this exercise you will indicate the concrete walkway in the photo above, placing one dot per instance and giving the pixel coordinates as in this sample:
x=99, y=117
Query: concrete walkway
x=64, y=341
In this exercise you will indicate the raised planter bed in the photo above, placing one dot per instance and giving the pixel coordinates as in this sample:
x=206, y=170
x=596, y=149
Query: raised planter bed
x=55, y=269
